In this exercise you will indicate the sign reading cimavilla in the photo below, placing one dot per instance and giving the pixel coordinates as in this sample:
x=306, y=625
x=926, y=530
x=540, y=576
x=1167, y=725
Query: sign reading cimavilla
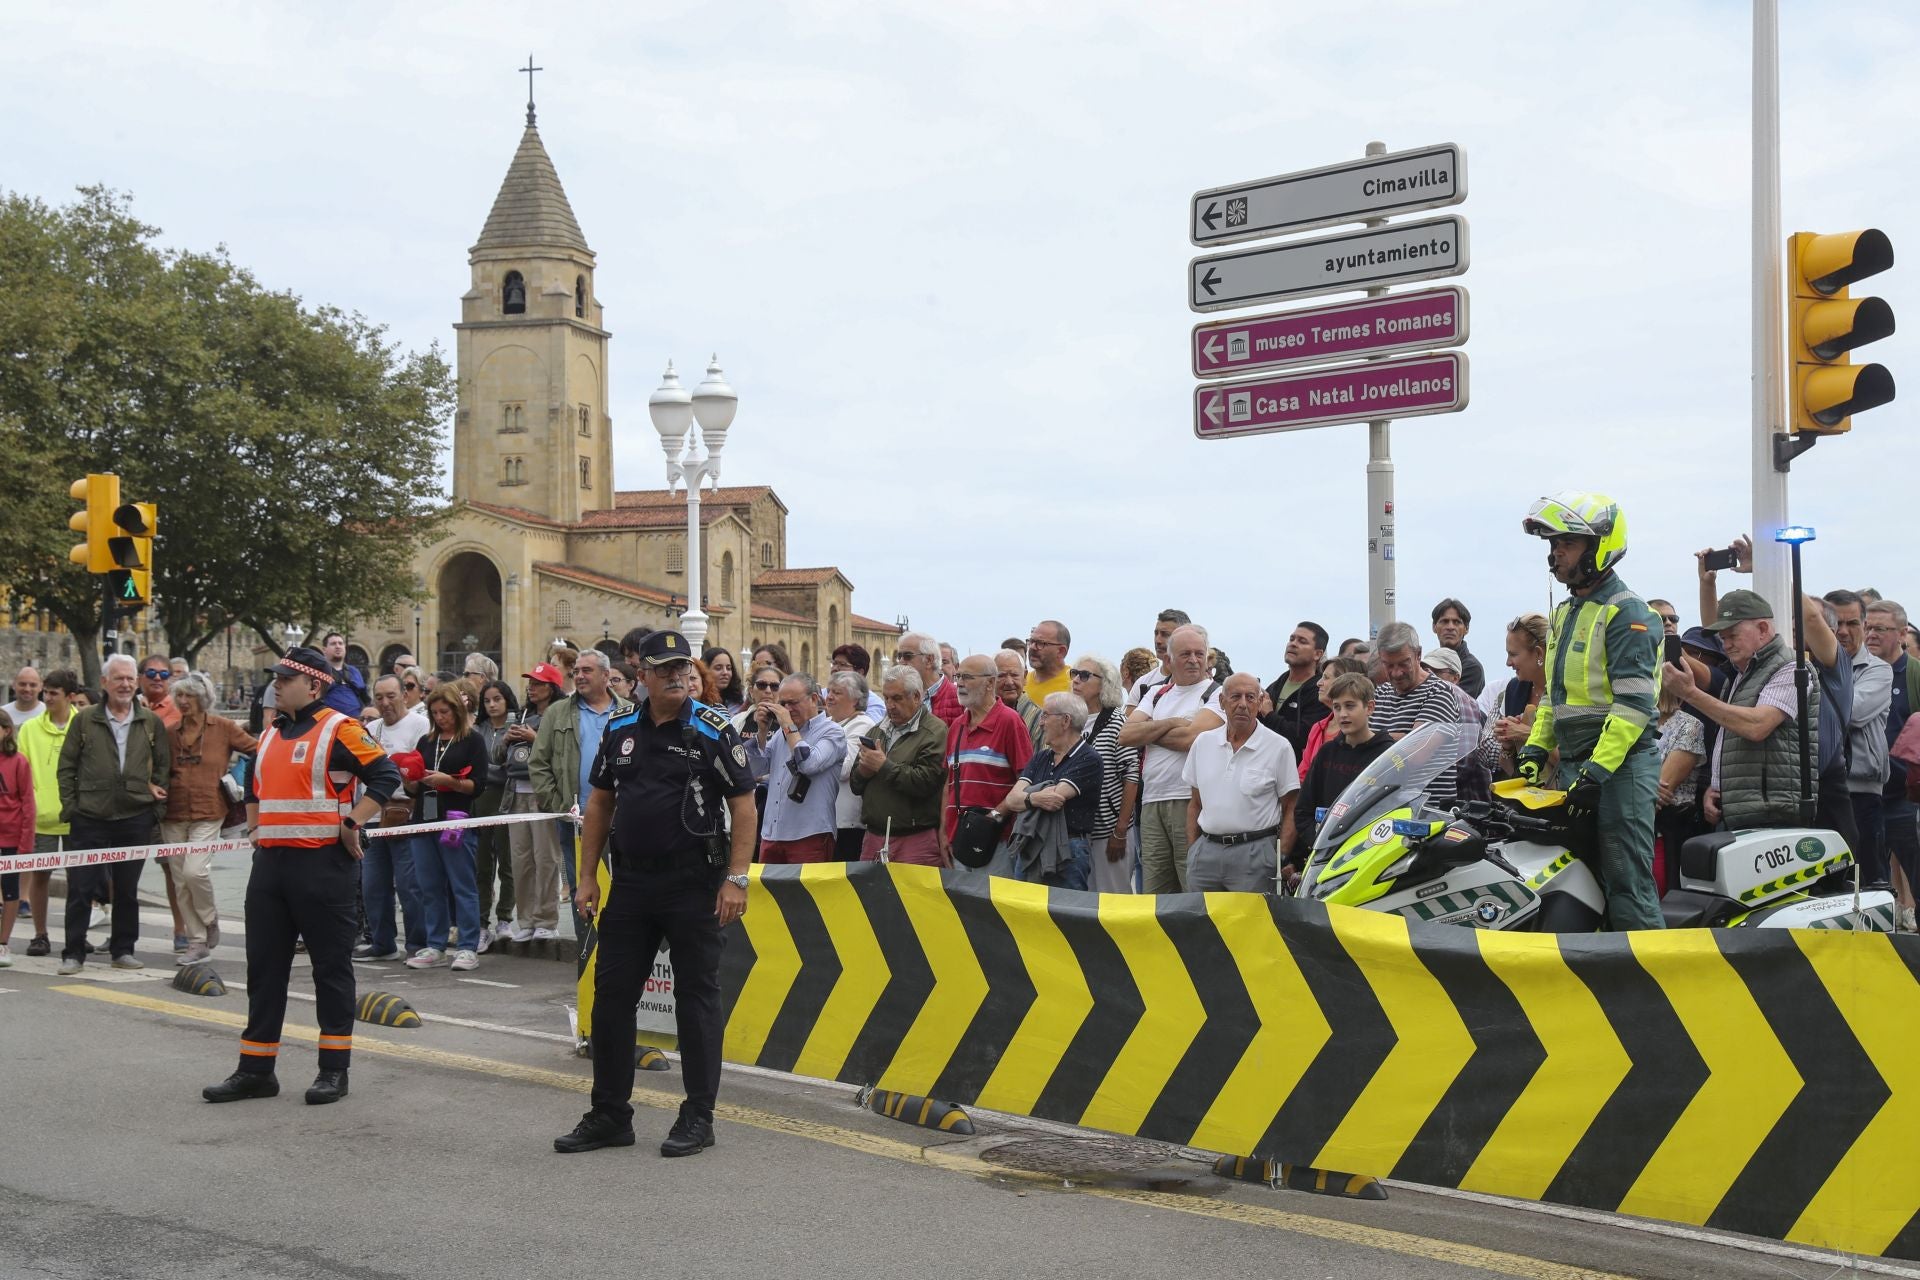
x=1400, y=337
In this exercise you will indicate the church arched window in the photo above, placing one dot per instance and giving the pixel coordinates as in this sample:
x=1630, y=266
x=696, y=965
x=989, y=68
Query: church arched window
x=580, y=297
x=586, y=473
x=585, y=417
x=562, y=614
x=726, y=578
x=513, y=294
x=766, y=555
x=676, y=557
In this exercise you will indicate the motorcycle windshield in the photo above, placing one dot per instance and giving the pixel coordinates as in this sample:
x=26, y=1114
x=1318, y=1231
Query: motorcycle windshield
x=1393, y=781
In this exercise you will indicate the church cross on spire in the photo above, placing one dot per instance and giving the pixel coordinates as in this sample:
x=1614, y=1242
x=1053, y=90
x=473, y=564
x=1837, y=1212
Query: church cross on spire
x=528, y=71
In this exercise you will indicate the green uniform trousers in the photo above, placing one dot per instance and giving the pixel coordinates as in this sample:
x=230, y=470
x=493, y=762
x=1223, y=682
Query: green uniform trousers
x=1627, y=803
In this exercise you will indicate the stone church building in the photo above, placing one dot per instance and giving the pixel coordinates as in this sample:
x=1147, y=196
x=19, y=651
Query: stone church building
x=541, y=544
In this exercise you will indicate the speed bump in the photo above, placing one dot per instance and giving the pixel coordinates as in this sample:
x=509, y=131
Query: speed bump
x=648, y=1058
x=928, y=1113
x=198, y=979
x=385, y=1010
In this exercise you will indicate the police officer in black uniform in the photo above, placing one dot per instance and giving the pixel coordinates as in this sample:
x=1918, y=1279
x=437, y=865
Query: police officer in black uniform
x=670, y=776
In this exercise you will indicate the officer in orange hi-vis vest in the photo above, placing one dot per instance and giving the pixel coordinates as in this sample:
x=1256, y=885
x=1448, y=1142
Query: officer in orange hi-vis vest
x=306, y=868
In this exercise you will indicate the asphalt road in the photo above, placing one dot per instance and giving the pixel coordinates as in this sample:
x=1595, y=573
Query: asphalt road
x=440, y=1165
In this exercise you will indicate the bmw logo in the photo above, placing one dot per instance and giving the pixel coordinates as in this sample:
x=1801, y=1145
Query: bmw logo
x=1489, y=912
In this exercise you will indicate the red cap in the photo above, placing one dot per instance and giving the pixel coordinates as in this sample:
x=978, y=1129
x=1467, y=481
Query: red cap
x=548, y=672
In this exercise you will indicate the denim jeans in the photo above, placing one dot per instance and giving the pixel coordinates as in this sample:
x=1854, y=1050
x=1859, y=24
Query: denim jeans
x=443, y=872
x=386, y=870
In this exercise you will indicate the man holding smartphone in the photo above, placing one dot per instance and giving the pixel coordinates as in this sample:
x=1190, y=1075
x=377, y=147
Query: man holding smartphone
x=1603, y=677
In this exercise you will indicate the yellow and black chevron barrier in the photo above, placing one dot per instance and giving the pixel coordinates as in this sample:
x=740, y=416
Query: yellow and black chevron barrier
x=1762, y=1081
x=385, y=1010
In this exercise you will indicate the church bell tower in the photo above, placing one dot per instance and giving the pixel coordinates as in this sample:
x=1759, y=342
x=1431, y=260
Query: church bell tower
x=532, y=428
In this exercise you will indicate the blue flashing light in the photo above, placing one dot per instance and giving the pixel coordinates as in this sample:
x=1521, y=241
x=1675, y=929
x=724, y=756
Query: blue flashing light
x=1794, y=534
x=1406, y=827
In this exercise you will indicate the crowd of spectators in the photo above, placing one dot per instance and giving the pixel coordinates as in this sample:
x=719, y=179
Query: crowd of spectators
x=1160, y=772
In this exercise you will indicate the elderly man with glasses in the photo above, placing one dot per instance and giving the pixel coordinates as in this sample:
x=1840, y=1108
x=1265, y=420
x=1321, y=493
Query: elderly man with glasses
x=922, y=653
x=803, y=774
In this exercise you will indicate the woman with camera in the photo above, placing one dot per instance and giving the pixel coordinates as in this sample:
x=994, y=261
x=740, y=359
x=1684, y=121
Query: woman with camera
x=846, y=699
x=456, y=769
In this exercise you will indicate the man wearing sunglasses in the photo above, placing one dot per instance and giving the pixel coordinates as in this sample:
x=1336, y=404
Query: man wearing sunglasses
x=156, y=674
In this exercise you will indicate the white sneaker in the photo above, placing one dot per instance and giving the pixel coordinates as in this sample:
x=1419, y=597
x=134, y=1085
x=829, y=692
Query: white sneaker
x=1905, y=922
x=98, y=918
x=465, y=960
x=426, y=958
x=486, y=939
x=543, y=935
x=521, y=932
x=6, y=957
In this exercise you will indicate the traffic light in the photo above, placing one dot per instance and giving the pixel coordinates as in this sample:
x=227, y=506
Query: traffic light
x=1826, y=324
x=130, y=580
x=101, y=493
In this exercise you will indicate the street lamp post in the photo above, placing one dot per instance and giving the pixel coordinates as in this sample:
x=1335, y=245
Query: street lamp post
x=674, y=410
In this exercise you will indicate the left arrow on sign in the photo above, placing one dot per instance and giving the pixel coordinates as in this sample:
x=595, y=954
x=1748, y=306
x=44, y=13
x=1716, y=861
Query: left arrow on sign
x=1212, y=347
x=1209, y=280
x=1212, y=216
x=1213, y=409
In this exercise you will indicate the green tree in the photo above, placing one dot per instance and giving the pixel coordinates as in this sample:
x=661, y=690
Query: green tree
x=292, y=452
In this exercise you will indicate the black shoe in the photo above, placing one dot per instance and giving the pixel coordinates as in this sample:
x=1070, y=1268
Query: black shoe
x=595, y=1130
x=242, y=1085
x=690, y=1134
x=40, y=946
x=328, y=1086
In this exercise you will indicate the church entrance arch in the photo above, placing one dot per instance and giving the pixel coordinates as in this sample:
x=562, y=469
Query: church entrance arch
x=470, y=618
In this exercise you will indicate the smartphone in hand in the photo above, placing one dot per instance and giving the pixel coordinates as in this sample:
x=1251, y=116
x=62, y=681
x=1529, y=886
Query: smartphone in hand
x=1673, y=650
x=1723, y=559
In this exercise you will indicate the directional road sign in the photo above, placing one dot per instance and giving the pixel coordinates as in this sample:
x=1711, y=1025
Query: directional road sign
x=1409, y=387
x=1341, y=331
x=1424, y=250
x=1427, y=178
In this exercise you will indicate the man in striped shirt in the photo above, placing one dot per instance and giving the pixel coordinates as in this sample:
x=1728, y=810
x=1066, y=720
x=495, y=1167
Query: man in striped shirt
x=987, y=747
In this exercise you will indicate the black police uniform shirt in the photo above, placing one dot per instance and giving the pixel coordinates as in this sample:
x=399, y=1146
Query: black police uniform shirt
x=657, y=823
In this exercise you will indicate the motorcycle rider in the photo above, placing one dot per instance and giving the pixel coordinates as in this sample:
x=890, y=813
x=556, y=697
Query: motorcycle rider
x=1603, y=676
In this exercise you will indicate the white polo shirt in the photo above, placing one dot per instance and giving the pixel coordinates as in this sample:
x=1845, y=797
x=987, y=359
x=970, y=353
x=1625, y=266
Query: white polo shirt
x=1241, y=790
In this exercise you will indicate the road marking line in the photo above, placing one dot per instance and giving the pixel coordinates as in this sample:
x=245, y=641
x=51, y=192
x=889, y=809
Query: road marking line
x=936, y=1157
x=483, y=982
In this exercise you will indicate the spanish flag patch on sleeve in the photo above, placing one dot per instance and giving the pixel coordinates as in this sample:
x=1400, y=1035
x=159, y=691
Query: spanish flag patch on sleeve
x=1636, y=626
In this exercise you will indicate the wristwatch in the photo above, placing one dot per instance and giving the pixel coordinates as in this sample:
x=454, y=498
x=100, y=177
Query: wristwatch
x=739, y=882
x=350, y=823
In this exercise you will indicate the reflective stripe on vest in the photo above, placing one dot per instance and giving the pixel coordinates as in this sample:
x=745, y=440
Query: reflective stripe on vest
x=298, y=802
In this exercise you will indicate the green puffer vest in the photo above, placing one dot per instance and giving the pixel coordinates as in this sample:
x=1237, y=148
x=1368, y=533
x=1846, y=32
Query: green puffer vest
x=1760, y=781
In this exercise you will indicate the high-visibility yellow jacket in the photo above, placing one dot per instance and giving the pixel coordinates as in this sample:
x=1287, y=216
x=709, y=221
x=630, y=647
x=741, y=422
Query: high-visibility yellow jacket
x=1603, y=677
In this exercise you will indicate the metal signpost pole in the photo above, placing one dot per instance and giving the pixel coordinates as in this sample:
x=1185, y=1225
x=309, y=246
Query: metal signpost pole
x=1769, y=481
x=1380, y=580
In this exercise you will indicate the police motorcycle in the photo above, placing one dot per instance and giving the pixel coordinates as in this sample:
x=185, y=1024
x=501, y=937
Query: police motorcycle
x=1511, y=864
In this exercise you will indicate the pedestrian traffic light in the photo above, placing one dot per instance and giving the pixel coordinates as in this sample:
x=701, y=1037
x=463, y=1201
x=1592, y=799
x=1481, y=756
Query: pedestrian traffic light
x=130, y=580
x=1826, y=324
x=101, y=493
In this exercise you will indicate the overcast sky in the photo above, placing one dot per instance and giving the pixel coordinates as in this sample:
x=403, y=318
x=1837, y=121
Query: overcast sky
x=941, y=251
